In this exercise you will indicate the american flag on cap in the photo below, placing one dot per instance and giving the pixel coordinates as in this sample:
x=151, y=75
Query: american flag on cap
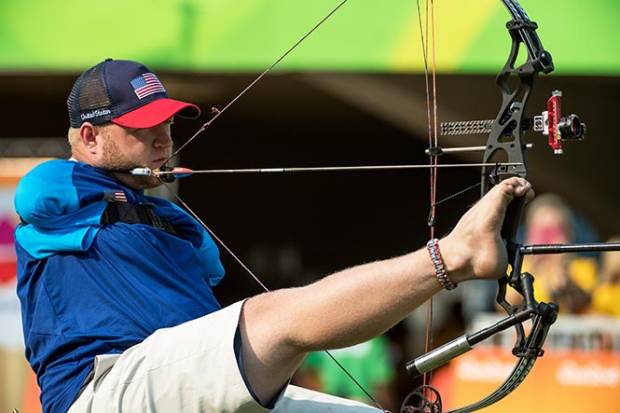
x=147, y=84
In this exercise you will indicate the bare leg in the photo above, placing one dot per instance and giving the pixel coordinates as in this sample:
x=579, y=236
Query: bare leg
x=354, y=305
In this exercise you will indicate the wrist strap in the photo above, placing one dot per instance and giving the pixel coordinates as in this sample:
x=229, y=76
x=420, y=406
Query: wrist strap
x=440, y=268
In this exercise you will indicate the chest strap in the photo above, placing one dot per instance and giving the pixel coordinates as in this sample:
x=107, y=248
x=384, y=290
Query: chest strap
x=135, y=214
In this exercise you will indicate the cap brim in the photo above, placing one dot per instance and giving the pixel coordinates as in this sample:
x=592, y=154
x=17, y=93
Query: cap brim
x=157, y=112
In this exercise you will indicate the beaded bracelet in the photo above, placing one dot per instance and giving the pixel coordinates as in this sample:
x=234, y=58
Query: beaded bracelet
x=440, y=269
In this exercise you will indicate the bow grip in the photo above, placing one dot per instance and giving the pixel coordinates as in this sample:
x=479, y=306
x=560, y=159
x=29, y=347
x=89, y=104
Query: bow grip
x=510, y=227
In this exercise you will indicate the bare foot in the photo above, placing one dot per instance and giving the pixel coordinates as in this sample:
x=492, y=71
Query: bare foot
x=474, y=248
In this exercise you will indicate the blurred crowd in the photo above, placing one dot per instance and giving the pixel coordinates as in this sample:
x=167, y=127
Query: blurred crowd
x=581, y=284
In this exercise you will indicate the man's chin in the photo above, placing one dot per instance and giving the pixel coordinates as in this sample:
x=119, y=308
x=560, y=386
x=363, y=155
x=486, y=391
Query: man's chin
x=149, y=182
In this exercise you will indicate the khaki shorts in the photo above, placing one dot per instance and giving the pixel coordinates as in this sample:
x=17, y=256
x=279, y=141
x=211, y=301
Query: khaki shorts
x=190, y=368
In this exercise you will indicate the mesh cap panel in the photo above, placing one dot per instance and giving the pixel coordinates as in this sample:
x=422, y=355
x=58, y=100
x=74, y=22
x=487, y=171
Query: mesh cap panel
x=89, y=100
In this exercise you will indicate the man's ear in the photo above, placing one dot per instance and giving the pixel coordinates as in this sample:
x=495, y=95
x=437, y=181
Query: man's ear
x=88, y=136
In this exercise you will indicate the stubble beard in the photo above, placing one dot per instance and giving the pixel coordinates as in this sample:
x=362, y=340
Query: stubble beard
x=114, y=160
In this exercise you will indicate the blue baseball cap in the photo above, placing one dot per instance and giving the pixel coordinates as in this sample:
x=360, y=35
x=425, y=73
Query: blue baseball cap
x=126, y=93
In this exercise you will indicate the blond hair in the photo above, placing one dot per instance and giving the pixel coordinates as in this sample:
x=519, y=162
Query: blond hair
x=73, y=136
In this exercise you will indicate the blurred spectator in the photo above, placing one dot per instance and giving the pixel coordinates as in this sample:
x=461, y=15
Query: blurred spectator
x=566, y=279
x=606, y=296
x=369, y=362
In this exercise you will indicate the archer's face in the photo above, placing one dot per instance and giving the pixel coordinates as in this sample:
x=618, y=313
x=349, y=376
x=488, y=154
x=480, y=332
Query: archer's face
x=124, y=149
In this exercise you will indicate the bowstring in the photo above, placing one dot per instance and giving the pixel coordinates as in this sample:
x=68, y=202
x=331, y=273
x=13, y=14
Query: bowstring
x=216, y=114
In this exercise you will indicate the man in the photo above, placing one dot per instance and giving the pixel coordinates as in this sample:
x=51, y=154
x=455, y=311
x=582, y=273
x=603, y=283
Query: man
x=115, y=286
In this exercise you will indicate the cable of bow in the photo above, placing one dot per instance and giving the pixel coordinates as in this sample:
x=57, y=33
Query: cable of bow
x=426, y=392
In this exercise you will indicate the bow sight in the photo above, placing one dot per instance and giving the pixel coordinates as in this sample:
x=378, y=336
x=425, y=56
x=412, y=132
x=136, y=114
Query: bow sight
x=557, y=127
x=550, y=123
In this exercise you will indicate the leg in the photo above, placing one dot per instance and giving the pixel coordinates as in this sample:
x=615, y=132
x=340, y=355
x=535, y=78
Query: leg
x=346, y=308
x=354, y=305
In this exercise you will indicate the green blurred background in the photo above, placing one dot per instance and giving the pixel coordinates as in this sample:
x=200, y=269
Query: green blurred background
x=247, y=35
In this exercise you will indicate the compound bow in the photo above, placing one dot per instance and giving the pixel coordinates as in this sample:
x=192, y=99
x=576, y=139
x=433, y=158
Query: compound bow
x=506, y=133
x=505, y=140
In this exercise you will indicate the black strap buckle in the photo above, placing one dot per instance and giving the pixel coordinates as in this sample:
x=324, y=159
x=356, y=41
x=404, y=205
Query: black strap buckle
x=135, y=214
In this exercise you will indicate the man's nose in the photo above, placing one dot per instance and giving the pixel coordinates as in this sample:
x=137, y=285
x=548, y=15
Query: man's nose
x=163, y=138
